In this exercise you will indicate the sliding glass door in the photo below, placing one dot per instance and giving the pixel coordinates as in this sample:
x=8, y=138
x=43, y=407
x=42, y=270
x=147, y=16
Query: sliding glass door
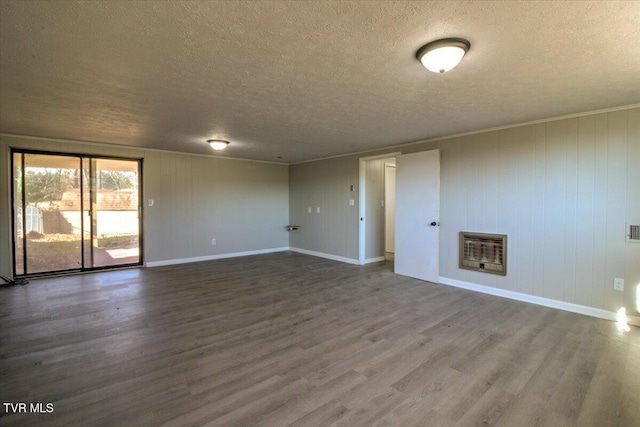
x=74, y=212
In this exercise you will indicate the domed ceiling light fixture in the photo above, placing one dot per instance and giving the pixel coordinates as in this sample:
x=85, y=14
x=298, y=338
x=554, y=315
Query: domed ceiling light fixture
x=442, y=55
x=218, y=144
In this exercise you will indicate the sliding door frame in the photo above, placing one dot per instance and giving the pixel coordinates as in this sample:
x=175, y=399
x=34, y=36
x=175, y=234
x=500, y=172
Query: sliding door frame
x=81, y=157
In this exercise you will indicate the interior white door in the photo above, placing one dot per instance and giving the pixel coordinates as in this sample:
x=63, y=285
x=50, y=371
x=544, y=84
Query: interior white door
x=418, y=215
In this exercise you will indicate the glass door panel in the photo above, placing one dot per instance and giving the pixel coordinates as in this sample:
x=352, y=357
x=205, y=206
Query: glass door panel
x=115, y=212
x=86, y=212
x=50, y=213
x=18, y=231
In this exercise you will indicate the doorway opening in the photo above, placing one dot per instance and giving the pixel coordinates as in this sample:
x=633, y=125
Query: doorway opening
x=74, y=212
x=390, y=210
x=377, y=208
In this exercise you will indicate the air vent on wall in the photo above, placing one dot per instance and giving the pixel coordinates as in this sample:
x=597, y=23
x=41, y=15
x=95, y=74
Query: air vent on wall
x=633, y=232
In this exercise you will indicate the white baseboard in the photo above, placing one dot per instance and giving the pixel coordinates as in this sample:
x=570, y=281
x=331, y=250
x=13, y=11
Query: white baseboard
x=212, y=257
x=376, y=259
x=547, y=302
x=327, y=256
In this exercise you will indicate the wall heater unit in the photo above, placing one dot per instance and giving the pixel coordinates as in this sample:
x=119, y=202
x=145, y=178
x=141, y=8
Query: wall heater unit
x=483, y=252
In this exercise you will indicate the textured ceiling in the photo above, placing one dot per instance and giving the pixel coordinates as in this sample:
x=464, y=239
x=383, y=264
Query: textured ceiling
x=291, y=81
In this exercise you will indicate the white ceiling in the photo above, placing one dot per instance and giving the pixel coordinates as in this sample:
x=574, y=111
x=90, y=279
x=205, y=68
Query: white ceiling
x=304, y=80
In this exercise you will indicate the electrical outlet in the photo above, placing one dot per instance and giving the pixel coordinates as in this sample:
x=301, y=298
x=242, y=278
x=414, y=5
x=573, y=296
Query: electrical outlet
x=317, y=209
x=352, y=202
x=309, y=209
x=214, y=242
x=618, y=284
x=150, y=202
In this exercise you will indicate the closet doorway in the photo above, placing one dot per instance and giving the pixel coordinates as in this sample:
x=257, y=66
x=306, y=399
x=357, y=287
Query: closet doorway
x=377, y=209
x=390, y=210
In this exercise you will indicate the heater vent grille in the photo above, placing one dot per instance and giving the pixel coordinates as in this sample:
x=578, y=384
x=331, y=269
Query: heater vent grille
x=633, y=233
x=483, y=252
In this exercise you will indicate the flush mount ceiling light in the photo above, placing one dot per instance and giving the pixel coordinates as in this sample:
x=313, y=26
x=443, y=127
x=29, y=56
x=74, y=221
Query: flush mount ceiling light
x=218, y=144
x=442, y=55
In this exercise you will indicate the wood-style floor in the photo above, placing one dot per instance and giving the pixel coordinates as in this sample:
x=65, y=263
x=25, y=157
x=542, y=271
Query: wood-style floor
x=288, y=339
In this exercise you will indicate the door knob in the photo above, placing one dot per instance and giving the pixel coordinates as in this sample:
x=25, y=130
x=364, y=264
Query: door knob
x=433, y=224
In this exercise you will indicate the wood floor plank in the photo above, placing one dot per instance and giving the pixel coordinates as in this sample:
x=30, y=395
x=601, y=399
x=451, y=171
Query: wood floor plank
x=289, y=339
x=327, y=414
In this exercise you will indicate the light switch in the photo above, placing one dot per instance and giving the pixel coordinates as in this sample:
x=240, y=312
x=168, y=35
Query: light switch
x=318, y=209
x=150, y=202
x=352, y=202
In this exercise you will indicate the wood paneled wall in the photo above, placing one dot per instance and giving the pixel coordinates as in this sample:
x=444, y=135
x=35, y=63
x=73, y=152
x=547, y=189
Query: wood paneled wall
x=562, y=191
x=242, y=204
x=325, y=184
